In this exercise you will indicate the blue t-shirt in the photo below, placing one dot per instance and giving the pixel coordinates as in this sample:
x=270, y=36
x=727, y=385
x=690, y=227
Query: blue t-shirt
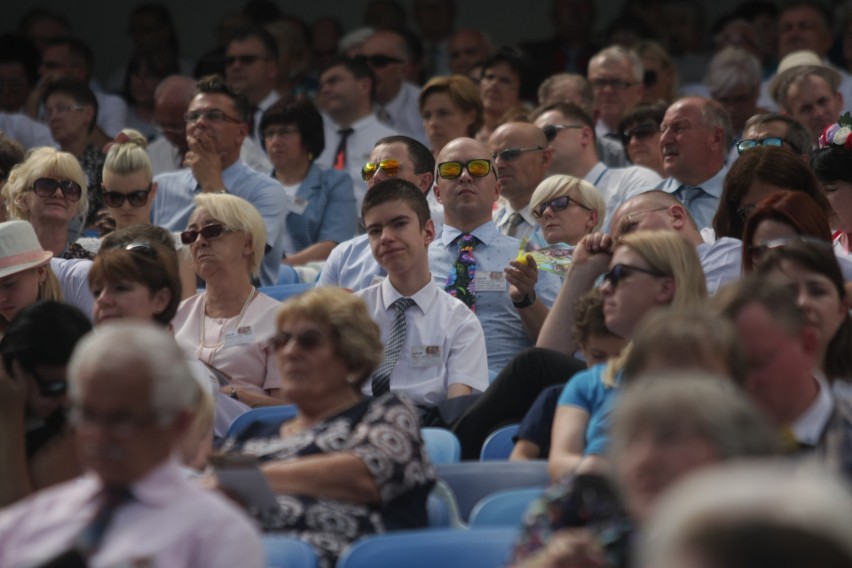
x=586, y=391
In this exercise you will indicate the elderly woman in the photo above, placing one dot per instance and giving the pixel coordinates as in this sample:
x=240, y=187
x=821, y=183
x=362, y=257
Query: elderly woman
x=38, y=449
x=567, y=209
x=322, y=203
x=49, y=190
x=227, y=326
x=451, y=108
x=346, y=466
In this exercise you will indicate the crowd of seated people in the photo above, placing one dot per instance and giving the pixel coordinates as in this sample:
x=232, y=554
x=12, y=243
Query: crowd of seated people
x=633, y=244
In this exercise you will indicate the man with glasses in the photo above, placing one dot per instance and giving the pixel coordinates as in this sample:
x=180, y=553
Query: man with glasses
x=216, y=126
x=774, y=129
x=251, y=67
x=475, y=262
x=346, y=95
x=133, y=399
x=521, y=156
x=615, y=74
x=396, y=106
x=351, y=264
x=570, y=134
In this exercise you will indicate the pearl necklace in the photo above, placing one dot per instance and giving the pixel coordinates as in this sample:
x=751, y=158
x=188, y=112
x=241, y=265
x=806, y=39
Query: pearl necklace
x=217, y=346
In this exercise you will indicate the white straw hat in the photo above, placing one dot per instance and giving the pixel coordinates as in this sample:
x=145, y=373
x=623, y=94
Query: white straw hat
x=802, y=58
x=19, y=248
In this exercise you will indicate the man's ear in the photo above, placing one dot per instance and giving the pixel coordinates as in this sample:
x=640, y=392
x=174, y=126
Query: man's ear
x=429, y=232
x=678, y=215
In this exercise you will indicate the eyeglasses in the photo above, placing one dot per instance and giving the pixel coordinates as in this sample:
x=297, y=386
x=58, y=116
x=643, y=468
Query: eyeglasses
x=617, y=84
x=59, y=110
x=630, y=221
x=758, y=251
x=214, y=115
x=389, y=167
x=209, y=232
x=136, y=198
x=556, y=204
x=308, y=340
x=477, y=168
x=50, y=388
x=640, y=131
x=378, y=61
x=119, y=424
x=774, y=141
x=512, y=154
x=46, y=187
x=244, y=59
x=551, y=130
x=621, y=271
x=281, y=131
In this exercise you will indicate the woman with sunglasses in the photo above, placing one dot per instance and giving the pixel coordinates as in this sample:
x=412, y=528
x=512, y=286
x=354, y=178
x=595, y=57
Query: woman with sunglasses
x=647, y=270
x=756, y=174
x=321, y=201
x=567, y=209
x=228, y=324
x=451, y=108
x=38, y=447
x=640, y=135
x=49, y=190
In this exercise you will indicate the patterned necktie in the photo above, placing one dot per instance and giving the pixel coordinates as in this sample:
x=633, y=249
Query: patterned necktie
x=340, y=155
x=515, y=219
x=90, y=538
x=461, y=280
x=393, y=347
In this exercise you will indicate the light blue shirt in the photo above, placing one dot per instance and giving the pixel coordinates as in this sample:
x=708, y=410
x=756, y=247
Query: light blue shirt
x=351, y=265
x=701, y=204
x=174, y=204
x=721, y=261
x=329, y=214
x=505, y=335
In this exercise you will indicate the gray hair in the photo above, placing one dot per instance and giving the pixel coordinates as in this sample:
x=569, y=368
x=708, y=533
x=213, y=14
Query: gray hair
x=120, y=346
x=617, y=52
x=797, y=75
x=549, y=85
x=714, y=115
x=730, y=68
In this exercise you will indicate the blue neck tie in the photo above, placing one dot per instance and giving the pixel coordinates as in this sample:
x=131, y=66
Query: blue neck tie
x=90, y=538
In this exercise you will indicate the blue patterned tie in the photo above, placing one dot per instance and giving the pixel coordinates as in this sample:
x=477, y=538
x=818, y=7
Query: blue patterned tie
x=393, y=347
x=90, y=538
x=461, y=281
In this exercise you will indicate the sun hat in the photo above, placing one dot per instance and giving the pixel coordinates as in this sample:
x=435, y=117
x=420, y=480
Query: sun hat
x=19, y=248
x=790, y=66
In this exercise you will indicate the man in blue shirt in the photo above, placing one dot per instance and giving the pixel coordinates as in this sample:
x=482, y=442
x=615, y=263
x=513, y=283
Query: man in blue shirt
x=216, y=124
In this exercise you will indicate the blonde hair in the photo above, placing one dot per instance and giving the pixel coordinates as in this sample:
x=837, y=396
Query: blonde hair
x=50, y=289
x=129, y=156
x=237, y=214
x=357, y=338
x=42, y=162
x=585, y=193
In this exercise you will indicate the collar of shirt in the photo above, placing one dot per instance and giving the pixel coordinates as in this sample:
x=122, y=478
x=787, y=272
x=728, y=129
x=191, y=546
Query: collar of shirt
x=809, y=426
x=502, y=217
x=160, y=487
x=423, y=298
x=486, y=233
x=268, y=101
x=596, y=173
x=712, y=186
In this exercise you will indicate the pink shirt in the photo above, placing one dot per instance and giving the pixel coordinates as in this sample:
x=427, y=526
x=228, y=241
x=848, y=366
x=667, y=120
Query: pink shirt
x=169, y=522
x=235, y=346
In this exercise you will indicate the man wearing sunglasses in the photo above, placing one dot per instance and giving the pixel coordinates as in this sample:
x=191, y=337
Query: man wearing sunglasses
x=570, y=133
x=251, y=67
x=346, y=95
x=351, y=264
x=510, y=298
x=387, y=53
x=216, y=126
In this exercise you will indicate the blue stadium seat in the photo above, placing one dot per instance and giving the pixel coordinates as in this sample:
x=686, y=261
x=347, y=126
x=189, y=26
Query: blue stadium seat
x=285, y=291
x=432, y=548
x=499, y=444
x=441, y=445
x=288, y=552
x=287, y=275
x=503, y=508
x=260, y=422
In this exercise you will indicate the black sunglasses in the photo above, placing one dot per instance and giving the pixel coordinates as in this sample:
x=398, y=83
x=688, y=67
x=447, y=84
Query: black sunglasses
x=640, y=131
x=52, y=388
x=209, y=232
x=512, y=154
x=46, y=187
x=556, y=204
x=136, y=198
x=308, y=340
x=378, y=61
x=620, y=271
x=551, y=130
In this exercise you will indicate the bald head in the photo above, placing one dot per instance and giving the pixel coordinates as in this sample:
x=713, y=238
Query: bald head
x=654, y=210
x=171, y=99
x=522, y=159
x=468, y=200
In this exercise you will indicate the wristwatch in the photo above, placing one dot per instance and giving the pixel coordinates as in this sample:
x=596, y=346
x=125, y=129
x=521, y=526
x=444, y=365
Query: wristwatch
x=233, y=394
x=526, y=301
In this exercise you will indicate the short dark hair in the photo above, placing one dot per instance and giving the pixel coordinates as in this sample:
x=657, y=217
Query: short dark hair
x=77, y=90
x=832, y=163
x=569, y=110
x=396, y=189
x=358, y=68
x=256, y=32
x=77, y=48
x=216, y=85
x=520, y=63
x=815, y=5
x=303, y=115
x=776, y=298
x=421, y=158
x=11, y=154
x=799, y=139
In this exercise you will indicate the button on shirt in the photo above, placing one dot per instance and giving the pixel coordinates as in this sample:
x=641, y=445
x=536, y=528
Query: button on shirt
x=701, y=206
x=168, y=522
x=504, y=331
x=444, y=343
x=174, y=204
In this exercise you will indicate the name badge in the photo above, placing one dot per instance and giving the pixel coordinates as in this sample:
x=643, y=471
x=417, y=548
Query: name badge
x=490, y=282
x=426, y=356
x=298, y=205
x=242, y=336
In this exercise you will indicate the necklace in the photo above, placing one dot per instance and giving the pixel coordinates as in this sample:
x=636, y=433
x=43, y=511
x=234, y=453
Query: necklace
x=201, y=329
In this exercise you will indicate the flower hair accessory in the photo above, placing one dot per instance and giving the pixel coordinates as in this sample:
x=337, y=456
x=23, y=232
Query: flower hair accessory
x=838, y=134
